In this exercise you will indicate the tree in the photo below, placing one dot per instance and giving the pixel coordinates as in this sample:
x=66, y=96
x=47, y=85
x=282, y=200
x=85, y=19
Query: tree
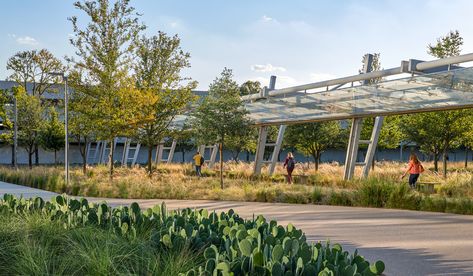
x=158, y=74
x=33, y=67
x=52, y=134
x=5, y=122
x=81, y=128
x=184, y=137
x=104, y=55
x=444, y=128
x=30, y=118
x=314, y=138
x=250, y=87
x=221, y=114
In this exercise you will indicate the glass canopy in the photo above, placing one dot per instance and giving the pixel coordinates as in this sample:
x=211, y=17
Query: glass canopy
x=438, y=91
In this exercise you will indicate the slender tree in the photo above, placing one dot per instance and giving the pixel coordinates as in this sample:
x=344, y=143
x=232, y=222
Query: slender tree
x=30, y=119
x=104, y=55
x=30, y=69
x=5, y=122
x=52, y=134
x=160, y=61
x=221, y=114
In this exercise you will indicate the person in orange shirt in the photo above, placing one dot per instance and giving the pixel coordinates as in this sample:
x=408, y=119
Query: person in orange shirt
x=414, y=169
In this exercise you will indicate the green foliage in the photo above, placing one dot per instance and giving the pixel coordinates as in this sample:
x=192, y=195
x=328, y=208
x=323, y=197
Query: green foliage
x=52, y=134
x=160, y=61
x=221, y=115
x=33, y=67
x=225, y=242
x=104, y=48
x=446, y=46
x=30, y=121
x=5, y=122
x=313, y=138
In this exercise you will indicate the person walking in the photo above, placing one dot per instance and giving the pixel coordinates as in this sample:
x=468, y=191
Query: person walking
x=289, y=164
x=198, y=162
x=414, y=169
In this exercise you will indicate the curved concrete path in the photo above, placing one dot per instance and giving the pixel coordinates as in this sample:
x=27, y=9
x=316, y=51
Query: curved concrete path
x=410, y=243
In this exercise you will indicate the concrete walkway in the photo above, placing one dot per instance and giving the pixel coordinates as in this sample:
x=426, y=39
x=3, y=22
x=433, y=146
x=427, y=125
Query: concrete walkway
x=410, y=243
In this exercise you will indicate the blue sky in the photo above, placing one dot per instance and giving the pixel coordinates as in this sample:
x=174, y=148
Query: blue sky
x=299, y=41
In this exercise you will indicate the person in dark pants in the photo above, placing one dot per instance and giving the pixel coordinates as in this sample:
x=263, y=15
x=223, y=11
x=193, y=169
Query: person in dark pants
x=198, y=161
x=289, y=164
x=414, y=169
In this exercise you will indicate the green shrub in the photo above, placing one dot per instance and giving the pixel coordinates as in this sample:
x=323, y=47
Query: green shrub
x=402, y=197
x=433, y=204
x=317, y=195
x=341, y=198
x=374, y=193
x=74, y=237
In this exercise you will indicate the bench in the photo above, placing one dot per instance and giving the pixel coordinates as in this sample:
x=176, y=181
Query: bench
x=299, y=178
x=426, y=187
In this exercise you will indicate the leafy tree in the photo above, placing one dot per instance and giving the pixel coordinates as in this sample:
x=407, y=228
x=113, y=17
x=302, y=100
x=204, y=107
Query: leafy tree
x=30, y=118
x=5, y=122
x=221, y=114
x=33, y=67
x=52, y=134
x=437, y=132
x=158, y=74
x=314, y=138
x=250, y=87
x=104, y=49
x=80, y=127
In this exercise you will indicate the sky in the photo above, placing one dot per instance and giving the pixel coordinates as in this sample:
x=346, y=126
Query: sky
x=299, y=41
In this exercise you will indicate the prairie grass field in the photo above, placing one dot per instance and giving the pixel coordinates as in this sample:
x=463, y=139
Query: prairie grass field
x=383, y=188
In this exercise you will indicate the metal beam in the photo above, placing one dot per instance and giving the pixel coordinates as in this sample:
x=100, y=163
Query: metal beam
x=213, y=156
x=262, y=135
x=352, y=149
x=404, y=68
x=378, y=123
x=277, y=149
x=171, y=151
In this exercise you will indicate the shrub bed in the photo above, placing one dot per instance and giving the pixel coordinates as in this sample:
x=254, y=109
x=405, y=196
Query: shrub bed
x=70, y=236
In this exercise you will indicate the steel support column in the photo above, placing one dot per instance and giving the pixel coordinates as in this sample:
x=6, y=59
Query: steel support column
x=277, y=149
x=378, y=123
x=262, y=135
x=352, y=150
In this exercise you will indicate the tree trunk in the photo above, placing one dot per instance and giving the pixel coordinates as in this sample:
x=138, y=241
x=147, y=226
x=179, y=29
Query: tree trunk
x=247, y=156
x=30, y=159
x=110, y=157
x=183, y=155
x=150, y=161
x=466, y=158
x=36, y=154
x=13, y=155
x=55, y=158
x=444, y=163
x=221, y=164
x=83, y=153
x=436, y=162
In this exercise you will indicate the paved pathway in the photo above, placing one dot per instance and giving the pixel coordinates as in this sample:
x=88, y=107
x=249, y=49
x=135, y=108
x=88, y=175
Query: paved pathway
x=410, y=243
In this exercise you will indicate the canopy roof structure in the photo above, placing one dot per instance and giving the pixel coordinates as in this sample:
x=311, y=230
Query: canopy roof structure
x=430, y=92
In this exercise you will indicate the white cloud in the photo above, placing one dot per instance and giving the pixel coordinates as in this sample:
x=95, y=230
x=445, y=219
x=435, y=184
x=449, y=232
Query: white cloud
x=26, y=40
x=316, y=77
x=266, y=18
x=267, y=68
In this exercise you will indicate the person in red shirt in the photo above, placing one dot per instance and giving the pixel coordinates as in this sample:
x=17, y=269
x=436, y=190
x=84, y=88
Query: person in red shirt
x=414, y=169
x=289, y=164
